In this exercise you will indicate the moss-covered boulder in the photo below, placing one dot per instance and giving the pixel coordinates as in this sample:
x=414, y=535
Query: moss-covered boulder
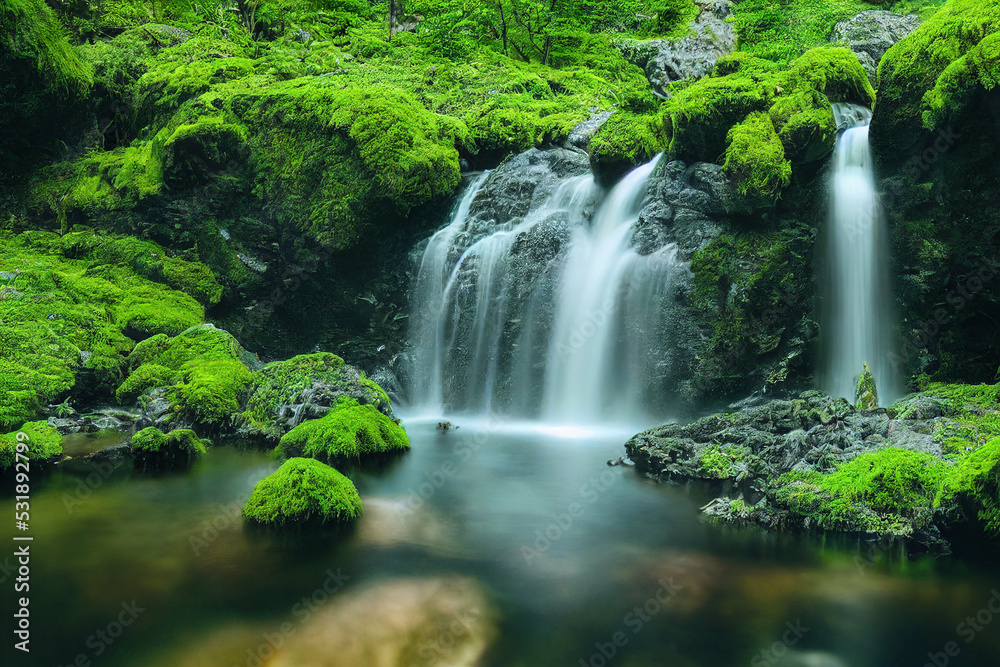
x=152, y=448
x=928, y=78
x=204, y=371
x=284, y=393
x=303, y=490
x=67, y=315
x=624, y=141
x=765, y=119
x=349, y=432
x=925, y=470
x=890, y=491
x=42, y=441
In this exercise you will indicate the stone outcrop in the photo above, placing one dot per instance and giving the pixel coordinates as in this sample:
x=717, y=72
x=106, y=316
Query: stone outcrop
x=667, y=60
x=870, y=34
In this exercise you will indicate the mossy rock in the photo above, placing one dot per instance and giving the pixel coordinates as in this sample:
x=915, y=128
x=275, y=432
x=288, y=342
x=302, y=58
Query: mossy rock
x=931, y=75
x=208, y=368
x=152, y=448
x=624, y=141
x=349, y=432
x=301, y=491
x=891, y=491
x=866, y=394
x=64, y=317
x=974, y=485
x=44, y=443
x=764, y=120
x=310, y=382
x=195, y=151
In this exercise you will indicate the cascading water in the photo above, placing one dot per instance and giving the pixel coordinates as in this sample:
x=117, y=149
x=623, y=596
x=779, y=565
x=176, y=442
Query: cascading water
x=857, y=310
x=550, y=315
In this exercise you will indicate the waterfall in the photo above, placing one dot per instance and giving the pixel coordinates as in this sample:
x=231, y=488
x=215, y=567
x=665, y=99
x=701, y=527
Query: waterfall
x=857, y=293
x=552, y=315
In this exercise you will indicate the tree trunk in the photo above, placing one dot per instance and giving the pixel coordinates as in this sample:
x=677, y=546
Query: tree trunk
x=503, y=26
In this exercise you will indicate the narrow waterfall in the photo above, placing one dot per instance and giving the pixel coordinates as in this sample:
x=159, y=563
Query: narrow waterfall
x=551, y=315
x=607, y=311
x=857, y=292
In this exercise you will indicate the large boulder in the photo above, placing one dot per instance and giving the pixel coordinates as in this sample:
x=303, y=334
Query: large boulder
x=870, y=34
x=284, y=394
x=667, y=60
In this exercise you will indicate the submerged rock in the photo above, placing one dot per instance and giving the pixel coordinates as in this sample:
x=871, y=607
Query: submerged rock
x=412, y=622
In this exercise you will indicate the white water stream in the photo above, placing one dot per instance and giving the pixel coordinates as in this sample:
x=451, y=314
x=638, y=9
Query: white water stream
x=501, y=322
x=857, y=313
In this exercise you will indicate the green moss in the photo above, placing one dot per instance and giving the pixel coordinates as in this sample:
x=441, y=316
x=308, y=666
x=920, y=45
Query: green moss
x=147, y=259
x=334, y=156
x=756, y=157
x=154, y=448
x=144, y=378
x=866, y=394
x=782, y=30
x=975, y=484
x=764, y=120
x=930, y=75
x=303, y=490
x=211, y=376
x=891, y=490
x=722, y=462
x=349, y=432
x=624, y=141
x=43, y=443
x=61, y=314
x=282, y=382
x=43, y=77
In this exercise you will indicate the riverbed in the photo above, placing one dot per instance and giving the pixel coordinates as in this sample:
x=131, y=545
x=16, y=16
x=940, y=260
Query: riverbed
x=582, y=563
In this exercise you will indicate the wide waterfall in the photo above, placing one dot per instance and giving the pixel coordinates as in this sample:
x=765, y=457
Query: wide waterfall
x=552, y=314
x=857, y=293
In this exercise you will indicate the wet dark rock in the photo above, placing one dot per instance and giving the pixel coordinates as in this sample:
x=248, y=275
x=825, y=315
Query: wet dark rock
x=685, y=204
x=519, y=184
x=743, y=454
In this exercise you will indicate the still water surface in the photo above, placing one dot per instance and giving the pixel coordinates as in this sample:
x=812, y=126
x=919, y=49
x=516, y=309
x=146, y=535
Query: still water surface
x=568, y=550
